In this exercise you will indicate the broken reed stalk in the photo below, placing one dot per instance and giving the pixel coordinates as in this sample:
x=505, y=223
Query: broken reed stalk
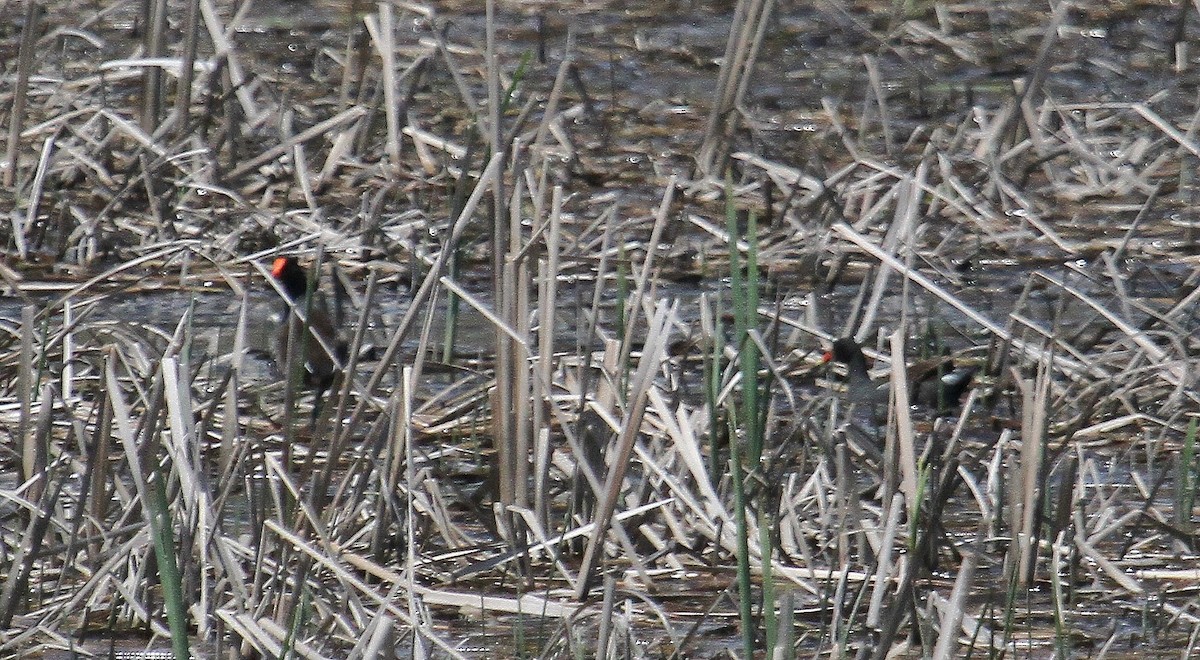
x=954, y=607
x=843, y=510
x=1003, y=126
x=643, y=277
x=880, y=101
x=905, y=596
x=885, y=561
x=658, y=334
x=508, y=457
x=231, y=443
x=425, y=290
x=906, y=444
x=340, y=429
x=180, y=118
x=154, y=41
x=1057, y=602
x=607, y=617
x=746, y=32
x=383, y=35
x=543, y=390
x=26, y=382
x=40, y=514
x=25, y=61
x=712, y=337
x=550, y=114
x=521, y=315
x=453, y=308
x=97, y=473
x=407, y=437
x=1027, y=497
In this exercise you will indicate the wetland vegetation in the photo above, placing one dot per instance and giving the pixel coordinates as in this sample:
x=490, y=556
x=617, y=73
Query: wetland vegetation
x=586, y=258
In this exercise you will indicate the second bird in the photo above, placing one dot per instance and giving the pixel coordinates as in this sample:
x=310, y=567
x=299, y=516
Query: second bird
x=936, y=382
x=320, y=368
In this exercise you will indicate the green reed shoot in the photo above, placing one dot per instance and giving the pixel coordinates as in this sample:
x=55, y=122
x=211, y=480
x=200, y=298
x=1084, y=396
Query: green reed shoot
x=1185, y=490
x=168, y=570
x=746, y=436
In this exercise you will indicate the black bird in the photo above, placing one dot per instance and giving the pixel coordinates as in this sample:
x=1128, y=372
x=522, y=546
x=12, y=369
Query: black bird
x=320, y=368
x=936, y=382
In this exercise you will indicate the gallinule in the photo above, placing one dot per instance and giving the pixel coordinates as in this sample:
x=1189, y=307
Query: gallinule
x=320, y=368
x=936, y=382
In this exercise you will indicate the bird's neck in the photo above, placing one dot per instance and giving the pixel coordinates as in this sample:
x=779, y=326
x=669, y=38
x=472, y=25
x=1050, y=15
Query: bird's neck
x=856, y=367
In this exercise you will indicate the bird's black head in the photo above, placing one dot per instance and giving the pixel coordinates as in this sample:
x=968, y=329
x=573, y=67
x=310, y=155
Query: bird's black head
x=845, y=351
x=291, y=276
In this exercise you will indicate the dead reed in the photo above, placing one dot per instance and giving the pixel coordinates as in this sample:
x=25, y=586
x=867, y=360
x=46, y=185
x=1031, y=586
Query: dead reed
x=625, y=443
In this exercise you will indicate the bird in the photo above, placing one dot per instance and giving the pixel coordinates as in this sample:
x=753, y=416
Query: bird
x=936, y=382
x=318, y=333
